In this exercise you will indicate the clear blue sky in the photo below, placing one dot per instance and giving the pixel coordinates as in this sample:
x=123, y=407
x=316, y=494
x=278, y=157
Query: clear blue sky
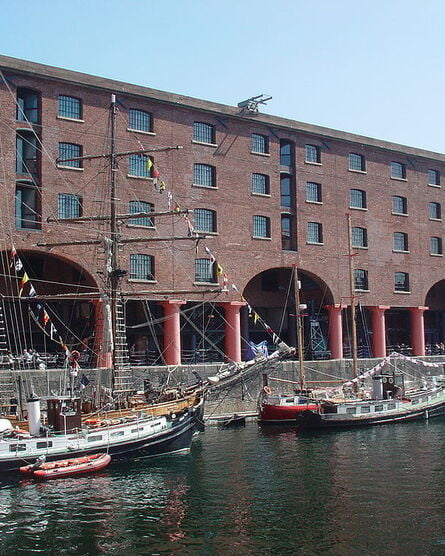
x=373, y=67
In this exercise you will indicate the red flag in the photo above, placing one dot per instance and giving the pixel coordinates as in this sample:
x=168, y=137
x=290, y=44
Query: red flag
x=155, y=173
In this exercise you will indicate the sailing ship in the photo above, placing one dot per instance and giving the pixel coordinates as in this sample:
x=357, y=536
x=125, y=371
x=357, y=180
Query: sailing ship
x=381, y=395
x=129, y=424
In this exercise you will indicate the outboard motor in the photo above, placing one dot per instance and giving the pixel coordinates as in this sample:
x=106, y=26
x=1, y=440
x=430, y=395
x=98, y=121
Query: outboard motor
x=34, y=418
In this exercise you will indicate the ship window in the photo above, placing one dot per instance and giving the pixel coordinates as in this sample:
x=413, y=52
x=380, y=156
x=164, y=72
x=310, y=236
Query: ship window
x=69, y=206
x=378, y=408
x=41, y=445
x=70, y=107
x=139, y=120
x=141, y=267
x=117, y=433
x=17, y=448
x=414, y=402
x=391, y=406
x=365, y=409
x=95, y=438
x=351, y=410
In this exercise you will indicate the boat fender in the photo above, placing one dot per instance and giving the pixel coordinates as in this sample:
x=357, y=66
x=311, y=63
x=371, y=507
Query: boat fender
x=267, y=390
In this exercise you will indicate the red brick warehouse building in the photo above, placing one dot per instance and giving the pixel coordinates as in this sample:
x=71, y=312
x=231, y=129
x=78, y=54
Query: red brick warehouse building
x=268, y=193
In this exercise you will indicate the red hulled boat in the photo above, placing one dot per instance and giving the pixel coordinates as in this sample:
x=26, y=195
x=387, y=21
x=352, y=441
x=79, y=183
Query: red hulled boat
x=67, y=467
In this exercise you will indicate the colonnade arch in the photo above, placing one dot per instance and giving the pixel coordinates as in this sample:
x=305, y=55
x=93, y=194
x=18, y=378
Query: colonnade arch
x=58, y=300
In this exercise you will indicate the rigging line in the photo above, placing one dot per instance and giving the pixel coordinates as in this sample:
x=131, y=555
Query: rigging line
x=53, y=282
x=210, y=342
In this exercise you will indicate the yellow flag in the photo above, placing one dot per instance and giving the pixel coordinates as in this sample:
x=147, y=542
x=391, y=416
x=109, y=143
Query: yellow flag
x=149, y=163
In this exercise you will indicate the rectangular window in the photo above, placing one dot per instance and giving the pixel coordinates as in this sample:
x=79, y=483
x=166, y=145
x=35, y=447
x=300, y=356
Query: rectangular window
x=260, y=144
x=398, y=170
x=433, y=177
x=95, y=438
x=205, y=271
x=141, y=206
x=261, y=226
x=70, y=107
x=357, y=198
x=260, y=184
x=17, y=447
x=141, y=267
x=361, y=279
x=41, y=445
x=69, y=206
x=313, y=192
x=204, y=133
x=314, y=232
x=359, y=237
x=68, y=151
x=27, y=207
x=27, y=160
x=400, y=241
x=286, y=191
x=401, y=282
x=434, y=211
x=28, y=106
x=286, y=153
x=436, y=245
x=287, y=242
x=312, y=154
x=204, y=175
x=140, y=165
x=139, y=120
x=205, y=220
x=399, y=205
x=357, y=162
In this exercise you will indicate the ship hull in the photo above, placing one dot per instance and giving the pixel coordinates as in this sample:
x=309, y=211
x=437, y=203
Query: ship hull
x=140, y=439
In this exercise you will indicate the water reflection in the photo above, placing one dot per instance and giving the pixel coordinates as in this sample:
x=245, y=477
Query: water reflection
x=246, y=491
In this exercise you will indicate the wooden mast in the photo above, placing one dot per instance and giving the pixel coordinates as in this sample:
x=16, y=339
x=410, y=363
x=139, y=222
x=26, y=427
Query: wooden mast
x=114, y=274
x=353, y=299
x=300, y=345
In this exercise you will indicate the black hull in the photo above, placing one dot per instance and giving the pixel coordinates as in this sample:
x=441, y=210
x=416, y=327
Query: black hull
x=312, y=421
x=176, y=439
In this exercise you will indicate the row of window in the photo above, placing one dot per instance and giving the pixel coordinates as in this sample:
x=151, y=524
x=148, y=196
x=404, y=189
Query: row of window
x=361, y=283
x=360, y=238
x=142, y=268
x=140, y=120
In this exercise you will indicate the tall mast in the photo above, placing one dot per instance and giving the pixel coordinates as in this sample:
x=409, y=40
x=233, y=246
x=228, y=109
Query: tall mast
x=113, y=266
x=298, y=308
x=353, y=300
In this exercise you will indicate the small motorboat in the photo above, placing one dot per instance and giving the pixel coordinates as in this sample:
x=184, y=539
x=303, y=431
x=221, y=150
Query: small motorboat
x=232, y=422
x=66, y=467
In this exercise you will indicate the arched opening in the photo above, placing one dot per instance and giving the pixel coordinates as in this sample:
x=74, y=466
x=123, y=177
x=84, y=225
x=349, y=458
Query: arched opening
x=435, y=319
x=46, y=303
x=272, y=295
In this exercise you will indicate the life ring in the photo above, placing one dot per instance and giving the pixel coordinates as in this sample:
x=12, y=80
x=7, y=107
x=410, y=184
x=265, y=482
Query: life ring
x=267, y=390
